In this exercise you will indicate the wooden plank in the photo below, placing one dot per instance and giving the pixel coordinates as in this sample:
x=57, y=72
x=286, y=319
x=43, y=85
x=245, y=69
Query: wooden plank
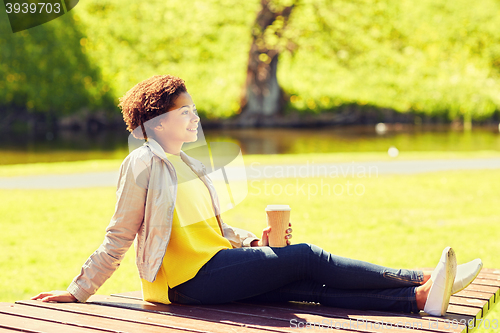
x=490, y=297
x=8, y=330
x=489, y=289
x=464, y=310
x=494, y=271
x=137, y=294
x=422, y=320
x=479, y=304
x=205, y=313
x=93, y=323
x=475, y=294
x=331, y=317
x=328, y=316
x=487, y=282
x=296, y=319
x=33, y=325
x=483, y=288
x=158, y=315
x=490, y=284
x=489, y=276
x=347, y=317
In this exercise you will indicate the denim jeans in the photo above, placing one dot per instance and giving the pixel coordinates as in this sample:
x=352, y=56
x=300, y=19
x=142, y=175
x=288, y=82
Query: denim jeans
x=301, y=272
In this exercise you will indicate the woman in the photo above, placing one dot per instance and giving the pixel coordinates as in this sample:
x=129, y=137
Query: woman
x=186, y=254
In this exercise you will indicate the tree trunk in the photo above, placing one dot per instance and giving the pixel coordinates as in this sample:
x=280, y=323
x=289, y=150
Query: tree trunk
x=263, y=95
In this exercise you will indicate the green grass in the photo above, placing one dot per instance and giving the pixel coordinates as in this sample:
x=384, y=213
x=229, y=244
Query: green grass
x=398, y=221
x=59, y=168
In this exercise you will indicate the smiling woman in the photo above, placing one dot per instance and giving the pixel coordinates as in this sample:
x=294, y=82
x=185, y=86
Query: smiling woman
x=186, y=254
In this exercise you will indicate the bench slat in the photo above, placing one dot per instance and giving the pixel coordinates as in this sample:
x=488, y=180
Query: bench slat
x=487, y=282
x=373, y=316
x=237, y=317
x=34, y=325
x=8, y=330
x=333, y=317
x=90, y=322
x=130, y=316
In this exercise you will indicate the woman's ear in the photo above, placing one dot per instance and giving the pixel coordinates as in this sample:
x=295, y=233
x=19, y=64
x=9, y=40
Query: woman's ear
x=152, y=125
x=157, y=126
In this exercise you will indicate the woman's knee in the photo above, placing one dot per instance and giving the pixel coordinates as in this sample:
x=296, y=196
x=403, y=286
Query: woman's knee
x=308, y=249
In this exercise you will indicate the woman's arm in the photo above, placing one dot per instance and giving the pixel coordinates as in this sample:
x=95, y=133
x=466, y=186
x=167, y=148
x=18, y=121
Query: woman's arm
x=121, y=232
x=242, y=238
x=238, y=237
x=60, y=296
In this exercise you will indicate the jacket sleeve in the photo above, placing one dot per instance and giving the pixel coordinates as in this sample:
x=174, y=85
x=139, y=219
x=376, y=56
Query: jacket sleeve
x=238, y=237
x=120, y=233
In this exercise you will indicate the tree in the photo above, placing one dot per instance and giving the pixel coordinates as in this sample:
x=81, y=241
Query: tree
x=263, y=95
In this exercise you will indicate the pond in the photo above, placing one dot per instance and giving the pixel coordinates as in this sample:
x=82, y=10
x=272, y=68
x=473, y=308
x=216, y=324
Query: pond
x=112, y=144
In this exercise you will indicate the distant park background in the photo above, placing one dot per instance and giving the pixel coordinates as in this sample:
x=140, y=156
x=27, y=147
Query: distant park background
x=435, y=60
x=391, y=81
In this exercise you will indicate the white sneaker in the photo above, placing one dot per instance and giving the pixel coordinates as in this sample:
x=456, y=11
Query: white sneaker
x=466, y=273
x=442, y=278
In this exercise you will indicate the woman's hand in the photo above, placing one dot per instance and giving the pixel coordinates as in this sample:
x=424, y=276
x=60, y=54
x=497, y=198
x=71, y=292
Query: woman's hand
x=264, y=240
x=56, y=296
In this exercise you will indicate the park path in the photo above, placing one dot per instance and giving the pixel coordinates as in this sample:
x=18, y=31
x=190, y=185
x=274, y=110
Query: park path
x=257, y=171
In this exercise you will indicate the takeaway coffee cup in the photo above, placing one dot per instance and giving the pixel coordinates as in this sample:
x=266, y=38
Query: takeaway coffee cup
x=278, y=217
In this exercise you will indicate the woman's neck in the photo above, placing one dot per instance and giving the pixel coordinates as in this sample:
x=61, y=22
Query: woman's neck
x=171, y=148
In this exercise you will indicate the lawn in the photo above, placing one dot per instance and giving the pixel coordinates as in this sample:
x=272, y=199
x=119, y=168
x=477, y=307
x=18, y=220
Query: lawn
x=393, y=220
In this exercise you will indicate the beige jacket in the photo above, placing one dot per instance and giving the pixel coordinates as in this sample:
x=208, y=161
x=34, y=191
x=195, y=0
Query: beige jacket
x=147, y=188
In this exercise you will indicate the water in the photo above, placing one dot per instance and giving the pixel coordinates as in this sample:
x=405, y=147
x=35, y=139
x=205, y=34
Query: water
x=112, y=144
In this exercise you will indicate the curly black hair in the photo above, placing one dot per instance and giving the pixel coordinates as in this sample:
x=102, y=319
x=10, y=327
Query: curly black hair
x=148, y=99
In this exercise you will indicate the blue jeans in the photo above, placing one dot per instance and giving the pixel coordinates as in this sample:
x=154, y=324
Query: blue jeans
x=301, y=272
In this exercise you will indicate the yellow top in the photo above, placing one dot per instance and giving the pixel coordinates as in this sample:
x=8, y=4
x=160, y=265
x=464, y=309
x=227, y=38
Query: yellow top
x=196, y=236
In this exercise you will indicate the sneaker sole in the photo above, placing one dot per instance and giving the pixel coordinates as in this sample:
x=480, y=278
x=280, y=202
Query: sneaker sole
x=451, y=271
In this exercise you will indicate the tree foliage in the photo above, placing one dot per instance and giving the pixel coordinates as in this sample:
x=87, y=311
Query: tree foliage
x=44, y=70
x=439, y=57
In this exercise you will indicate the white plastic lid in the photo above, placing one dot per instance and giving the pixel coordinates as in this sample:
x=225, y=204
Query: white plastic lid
x=271, y=208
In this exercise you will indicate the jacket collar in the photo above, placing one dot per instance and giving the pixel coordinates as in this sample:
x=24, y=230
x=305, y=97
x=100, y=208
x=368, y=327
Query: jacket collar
x=156, y=149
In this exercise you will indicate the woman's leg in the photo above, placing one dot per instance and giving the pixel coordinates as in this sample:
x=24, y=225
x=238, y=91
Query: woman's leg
x=242, y=273
x=394, y=299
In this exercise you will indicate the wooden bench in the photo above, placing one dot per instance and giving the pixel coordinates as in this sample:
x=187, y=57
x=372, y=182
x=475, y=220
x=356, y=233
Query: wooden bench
x=128, y=313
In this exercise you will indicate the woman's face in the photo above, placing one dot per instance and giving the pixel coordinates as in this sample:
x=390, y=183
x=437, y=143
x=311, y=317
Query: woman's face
x=180, y=123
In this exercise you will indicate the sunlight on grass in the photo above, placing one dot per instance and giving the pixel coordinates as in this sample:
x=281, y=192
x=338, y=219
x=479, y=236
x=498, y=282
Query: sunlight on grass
x=59, y=168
